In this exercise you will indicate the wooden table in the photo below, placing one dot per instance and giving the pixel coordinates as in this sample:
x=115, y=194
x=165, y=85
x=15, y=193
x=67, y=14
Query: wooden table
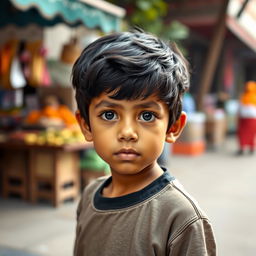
x=41, y=172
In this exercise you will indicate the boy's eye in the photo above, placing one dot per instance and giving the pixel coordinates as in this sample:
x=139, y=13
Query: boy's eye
x=147, y=116
x=109, y=115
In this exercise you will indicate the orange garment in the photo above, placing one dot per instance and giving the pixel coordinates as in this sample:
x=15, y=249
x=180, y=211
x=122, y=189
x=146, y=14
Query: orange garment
x=62, y=112
x=249, y=96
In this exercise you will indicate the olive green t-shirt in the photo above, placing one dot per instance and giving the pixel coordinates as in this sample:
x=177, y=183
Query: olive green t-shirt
x=161, y=219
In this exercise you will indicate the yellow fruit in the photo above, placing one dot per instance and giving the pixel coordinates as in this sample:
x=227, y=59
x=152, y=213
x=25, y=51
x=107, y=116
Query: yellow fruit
x=58, y=141
x=41, y=140
x=30, y=138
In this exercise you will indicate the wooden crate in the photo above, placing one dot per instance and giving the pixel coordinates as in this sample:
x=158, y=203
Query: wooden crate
x=54, y=176
x=15, y=174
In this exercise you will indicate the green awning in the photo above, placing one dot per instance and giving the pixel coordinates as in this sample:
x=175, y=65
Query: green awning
x=104, y=15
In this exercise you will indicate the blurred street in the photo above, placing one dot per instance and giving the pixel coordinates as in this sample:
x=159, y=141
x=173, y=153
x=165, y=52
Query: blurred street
x=42, y=150
x=223, y=184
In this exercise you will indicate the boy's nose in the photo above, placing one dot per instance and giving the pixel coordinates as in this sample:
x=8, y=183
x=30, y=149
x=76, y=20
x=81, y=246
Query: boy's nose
x=127, y=132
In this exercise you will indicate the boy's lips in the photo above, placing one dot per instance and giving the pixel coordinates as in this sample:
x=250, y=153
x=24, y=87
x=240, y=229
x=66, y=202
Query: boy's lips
x=127, y=154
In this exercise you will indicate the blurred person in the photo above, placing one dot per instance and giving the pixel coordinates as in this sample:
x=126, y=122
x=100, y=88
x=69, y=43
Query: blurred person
x=52, y=113
x=189, y=105
x=129, y=89
x=246, y=131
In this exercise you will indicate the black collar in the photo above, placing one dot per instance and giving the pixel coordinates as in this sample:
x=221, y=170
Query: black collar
x=105, y=203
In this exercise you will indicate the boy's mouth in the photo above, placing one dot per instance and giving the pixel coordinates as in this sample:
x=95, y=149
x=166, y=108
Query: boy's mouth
x=127, y=154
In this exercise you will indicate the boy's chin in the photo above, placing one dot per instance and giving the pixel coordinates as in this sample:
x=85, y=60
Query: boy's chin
x=128, y=168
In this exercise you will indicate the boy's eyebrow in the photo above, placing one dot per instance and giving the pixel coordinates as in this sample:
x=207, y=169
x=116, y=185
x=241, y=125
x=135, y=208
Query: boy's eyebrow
x=150, y=104
x=105, y=103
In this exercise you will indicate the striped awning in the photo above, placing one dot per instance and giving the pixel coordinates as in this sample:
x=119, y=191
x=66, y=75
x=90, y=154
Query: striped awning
x=91, y=13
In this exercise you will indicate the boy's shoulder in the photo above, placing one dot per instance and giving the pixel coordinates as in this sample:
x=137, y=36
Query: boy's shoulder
x=182, y=201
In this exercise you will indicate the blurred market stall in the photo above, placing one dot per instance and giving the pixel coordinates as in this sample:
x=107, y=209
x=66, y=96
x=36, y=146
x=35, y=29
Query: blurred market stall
x=222, y=52
x=40, y=142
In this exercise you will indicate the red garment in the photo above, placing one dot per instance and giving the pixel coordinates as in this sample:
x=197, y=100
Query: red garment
x=247, y=120
x=247, y=132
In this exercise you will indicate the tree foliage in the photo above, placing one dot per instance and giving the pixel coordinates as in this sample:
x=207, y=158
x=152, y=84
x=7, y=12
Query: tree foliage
x=151, y=15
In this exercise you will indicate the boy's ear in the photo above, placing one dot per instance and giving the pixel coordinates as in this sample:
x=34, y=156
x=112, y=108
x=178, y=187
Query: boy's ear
x=175, y=130
x=85, y=128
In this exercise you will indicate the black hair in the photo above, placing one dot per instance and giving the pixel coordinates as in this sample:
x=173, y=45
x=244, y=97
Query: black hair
x=131, y=65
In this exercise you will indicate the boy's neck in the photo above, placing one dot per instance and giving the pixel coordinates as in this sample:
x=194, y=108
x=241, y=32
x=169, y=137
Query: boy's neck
x=126, y=184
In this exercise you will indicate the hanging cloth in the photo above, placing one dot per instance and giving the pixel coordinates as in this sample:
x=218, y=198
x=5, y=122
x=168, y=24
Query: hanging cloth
x=11, y=72
x=38, y=74
x=35, y=64
x=17, y=79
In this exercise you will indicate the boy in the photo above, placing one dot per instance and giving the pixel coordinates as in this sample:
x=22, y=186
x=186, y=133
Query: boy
x=128, y=89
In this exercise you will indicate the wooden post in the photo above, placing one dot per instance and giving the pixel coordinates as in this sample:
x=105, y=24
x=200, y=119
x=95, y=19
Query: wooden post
x=212, y=56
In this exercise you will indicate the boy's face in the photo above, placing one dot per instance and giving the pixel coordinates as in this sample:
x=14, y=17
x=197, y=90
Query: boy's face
x=129, y=135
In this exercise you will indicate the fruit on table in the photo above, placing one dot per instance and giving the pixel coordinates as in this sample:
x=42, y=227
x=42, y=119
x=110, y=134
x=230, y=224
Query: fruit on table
x=56, y=137
x=30, y=138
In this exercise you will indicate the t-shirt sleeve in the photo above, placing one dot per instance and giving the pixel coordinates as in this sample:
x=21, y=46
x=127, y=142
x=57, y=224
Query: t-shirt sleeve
x=82, y=205
x=195, y=239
